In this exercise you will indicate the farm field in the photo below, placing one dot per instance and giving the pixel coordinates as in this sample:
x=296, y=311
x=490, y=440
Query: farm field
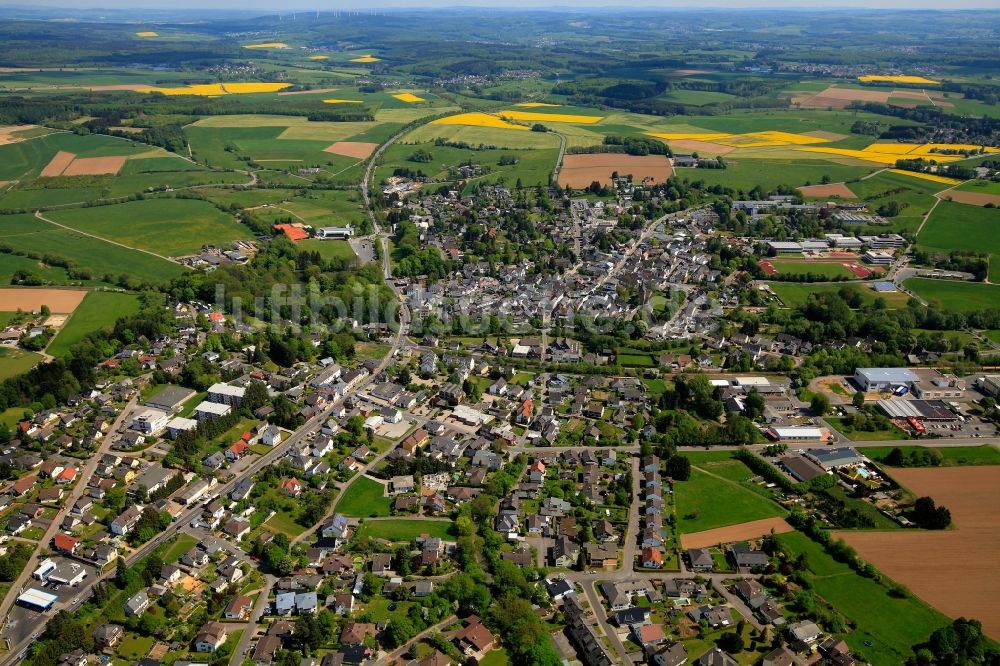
x=733, y=533
x=403, y=529
x=14, y=362
x=27, y=159
x=365, y=498
x=579, y=171
x=706, y=502
x=875, y=614
x=59, y=301
x=955, y=226
x=171, y=227
x=955, y=295
x=951, y=456
x=98, y=309
x=533, y=167
x=476, y=135
x=743, y=174
x=972, y=589
x=105, y=261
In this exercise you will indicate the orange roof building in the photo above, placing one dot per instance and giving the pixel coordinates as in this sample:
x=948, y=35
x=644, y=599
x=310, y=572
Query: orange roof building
x=294, y=233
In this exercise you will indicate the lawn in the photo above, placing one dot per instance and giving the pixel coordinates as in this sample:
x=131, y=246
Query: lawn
x=330, y=250
x=182, y=544
x=865, y=435
x=955, y=226
x=951, y=456
x=171, y=227
x=364, y=498
x=282, y=522
x=497, y=657
x=954, y=295
x=98, y=309
x=14, y=362
x=134, y=647
x=404, y=529
x=705, y=502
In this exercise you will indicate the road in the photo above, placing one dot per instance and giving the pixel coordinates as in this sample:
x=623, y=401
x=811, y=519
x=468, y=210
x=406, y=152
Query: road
x=81, y=485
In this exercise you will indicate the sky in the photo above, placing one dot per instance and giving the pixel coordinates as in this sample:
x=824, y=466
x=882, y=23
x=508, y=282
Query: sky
x=267, y=6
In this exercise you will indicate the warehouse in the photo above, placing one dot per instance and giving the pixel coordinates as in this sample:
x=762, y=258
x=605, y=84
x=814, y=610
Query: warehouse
x=36, y=599
x=796, y=433
x=831, y=459
x=925, y=410
x=879, y=380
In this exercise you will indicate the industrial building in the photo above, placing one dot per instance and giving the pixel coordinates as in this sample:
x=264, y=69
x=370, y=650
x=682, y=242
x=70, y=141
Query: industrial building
x=883, y=380
x=796, y=433
x=36, y=599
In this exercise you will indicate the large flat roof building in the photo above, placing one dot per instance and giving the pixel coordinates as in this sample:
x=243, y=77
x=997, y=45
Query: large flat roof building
x=877, y=380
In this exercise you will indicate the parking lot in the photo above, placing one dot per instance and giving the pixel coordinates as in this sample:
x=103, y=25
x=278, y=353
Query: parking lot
x=23, y=622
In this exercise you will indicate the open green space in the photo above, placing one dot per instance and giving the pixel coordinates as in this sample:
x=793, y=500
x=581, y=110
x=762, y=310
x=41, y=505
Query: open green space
x=954, y=295
x=533, y=166
x=794, y=294
x=180, y=545
x=365, y=497
x=329, y=249
x=705, y=502
x=404, y=530
x=97, y=310
x=955, y=226
x=14, y=362
x=892, y=625
x=171, y=227
x=951, y=456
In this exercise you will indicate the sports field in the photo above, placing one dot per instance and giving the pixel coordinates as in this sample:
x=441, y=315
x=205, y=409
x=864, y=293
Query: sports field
x=98, y=309
x=169, y=227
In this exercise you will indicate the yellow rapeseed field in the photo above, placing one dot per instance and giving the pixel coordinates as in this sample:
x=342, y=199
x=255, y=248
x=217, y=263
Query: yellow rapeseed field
x=342, y=101
x=767, y=139
x=929, y=148
x=410, y=98
x=915, y=80
x=869, y=155
x=927, y=176
x=891, y=148
x=217, y=89
x=146, y=33
x=241, y=88
x=366, y=59
x=319, y=57
x=536, y=105
x=268, y=45
x=528, y=116
x=478, y=120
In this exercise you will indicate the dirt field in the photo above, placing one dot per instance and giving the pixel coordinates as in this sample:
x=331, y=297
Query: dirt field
x=95, y=166
x=742, y=532
x=57, y=164
x=358, y=149
x=839, y=98
x=62, y=301
x=909, y=94
x=956, y=571
x=973, y=198
x=7, y=136
x=701, y=147
x=580, y=171
x=833, y=190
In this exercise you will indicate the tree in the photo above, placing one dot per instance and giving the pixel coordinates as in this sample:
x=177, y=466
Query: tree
x=678, y=468
x=731, y=642
x=820, y=404
x=400, y=630
x=858, y=400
